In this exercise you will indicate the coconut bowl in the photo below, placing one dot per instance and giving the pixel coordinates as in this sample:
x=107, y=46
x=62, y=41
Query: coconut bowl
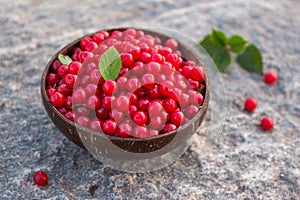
x=108, y=147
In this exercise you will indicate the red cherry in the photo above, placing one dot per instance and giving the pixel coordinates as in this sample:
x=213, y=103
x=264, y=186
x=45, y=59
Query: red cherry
x=176, y=94
x=177, y=118
x=101, y=49
x=133, y=99
x=107, y=101
x=74, y=67
x=63, y=89
x=184, y=100
x=138, y=69
x=50, y=91
x=127, y=59
x=62, y=110
x=250, y=104
x=90, y=46
x=153, y=92
x=166, y=88
x=182, y=85
x=92, y=89
x=125, y=130
x=122, y=103
x=122, y=81
x=197, y=74
x=96, y=125
x=88, y=68
x=155, y=108
x=84, y=41
x=196, y=98
x=83, y=80
x=147, y=79
x=157, y=57
x=142, y=104
x=133, y=84
x=109, y=87
x=140, y=132
x=160, y=78
x=70, y=115
x=173, y=58
x=79, y=96
x=110, y=127
x=83, y=121
x=135, y=52
x=153, y=68
x=170, y=105
x=270, y=77
x=191, y=111
x=153, y=133
x=57, y=99
x=93, y=102
x=155, y=122
x=85, y=55
x=69, y=80
x=69, y=102
x=132, y=110
x=169, y=127
x=139, y=34
x=102, y=113
x=130, y=31
x=145, y=57
x=98, y=37
x=167, y=69
x=172, y=43
x=187, y=71
x=95, y=77
x=194, y=84
x=117, y=116
x=40, y=178
x=267, y=123
x=165, y=51
x=55, y=65
x=123, y=71
x=51, y=79
x=144, y=47
x=140, y=117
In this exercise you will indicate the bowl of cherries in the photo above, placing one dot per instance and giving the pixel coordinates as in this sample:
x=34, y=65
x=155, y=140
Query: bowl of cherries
x=126, y=93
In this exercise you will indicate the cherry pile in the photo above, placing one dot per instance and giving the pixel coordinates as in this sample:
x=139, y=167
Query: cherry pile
x=156, y=91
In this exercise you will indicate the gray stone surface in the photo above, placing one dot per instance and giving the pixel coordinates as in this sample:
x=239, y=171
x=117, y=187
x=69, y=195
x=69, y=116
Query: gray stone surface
x=247, y=163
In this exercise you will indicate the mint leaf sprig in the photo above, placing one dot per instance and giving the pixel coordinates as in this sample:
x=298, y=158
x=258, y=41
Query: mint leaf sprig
x=220, y=48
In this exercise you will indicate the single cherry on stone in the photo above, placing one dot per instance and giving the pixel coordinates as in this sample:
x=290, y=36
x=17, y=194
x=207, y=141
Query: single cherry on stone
x=267, y=123
x=270, y=77
x=250, y=104
x=40, y=178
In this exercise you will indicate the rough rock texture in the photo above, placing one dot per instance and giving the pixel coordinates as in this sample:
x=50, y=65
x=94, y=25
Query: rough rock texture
x=247, y=163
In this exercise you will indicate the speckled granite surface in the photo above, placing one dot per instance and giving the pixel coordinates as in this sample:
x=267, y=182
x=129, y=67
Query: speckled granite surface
x=247, y=163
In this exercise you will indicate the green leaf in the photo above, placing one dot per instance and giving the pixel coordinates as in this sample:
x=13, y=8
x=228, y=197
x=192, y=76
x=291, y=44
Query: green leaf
x=237, y=44
x=218, y=53
x=218, y=37
x=251, y=59
x=65, y=60
x=110, y=64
